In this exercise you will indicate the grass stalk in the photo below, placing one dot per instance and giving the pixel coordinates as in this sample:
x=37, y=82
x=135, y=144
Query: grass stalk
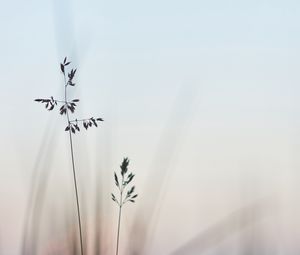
x=119, y=227
x=74, y=173
x=119, y=220
x=72, y=128
x=130, y=197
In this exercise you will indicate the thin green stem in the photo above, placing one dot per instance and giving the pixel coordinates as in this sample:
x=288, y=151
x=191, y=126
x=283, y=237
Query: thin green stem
x=120, y=213
x=119, y=225
x=78, y=120
x=74, y=173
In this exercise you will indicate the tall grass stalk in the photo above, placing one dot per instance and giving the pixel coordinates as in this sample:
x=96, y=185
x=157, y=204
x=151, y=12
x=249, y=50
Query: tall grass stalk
x=72, y=127
x=74, y=171
x=130, y=196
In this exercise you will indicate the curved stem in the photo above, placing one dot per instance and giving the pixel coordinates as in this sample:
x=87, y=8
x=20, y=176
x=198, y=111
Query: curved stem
x=74, y=174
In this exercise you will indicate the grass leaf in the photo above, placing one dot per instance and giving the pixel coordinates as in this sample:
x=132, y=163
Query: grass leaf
x=116, y=180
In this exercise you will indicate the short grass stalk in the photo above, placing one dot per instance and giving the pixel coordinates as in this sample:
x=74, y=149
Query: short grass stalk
x=119, y=228
x=130, y=197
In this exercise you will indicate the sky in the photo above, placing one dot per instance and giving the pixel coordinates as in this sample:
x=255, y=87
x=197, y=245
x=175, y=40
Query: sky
x=202, y=96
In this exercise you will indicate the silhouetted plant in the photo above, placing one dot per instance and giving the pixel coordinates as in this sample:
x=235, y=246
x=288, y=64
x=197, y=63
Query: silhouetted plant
x=122, y=185
x=72, y=127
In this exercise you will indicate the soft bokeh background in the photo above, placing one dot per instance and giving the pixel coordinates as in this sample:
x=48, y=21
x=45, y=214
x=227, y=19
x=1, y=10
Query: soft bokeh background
x=202, y=96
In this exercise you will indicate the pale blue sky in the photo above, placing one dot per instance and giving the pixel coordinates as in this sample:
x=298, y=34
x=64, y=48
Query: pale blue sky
x=242, y=53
